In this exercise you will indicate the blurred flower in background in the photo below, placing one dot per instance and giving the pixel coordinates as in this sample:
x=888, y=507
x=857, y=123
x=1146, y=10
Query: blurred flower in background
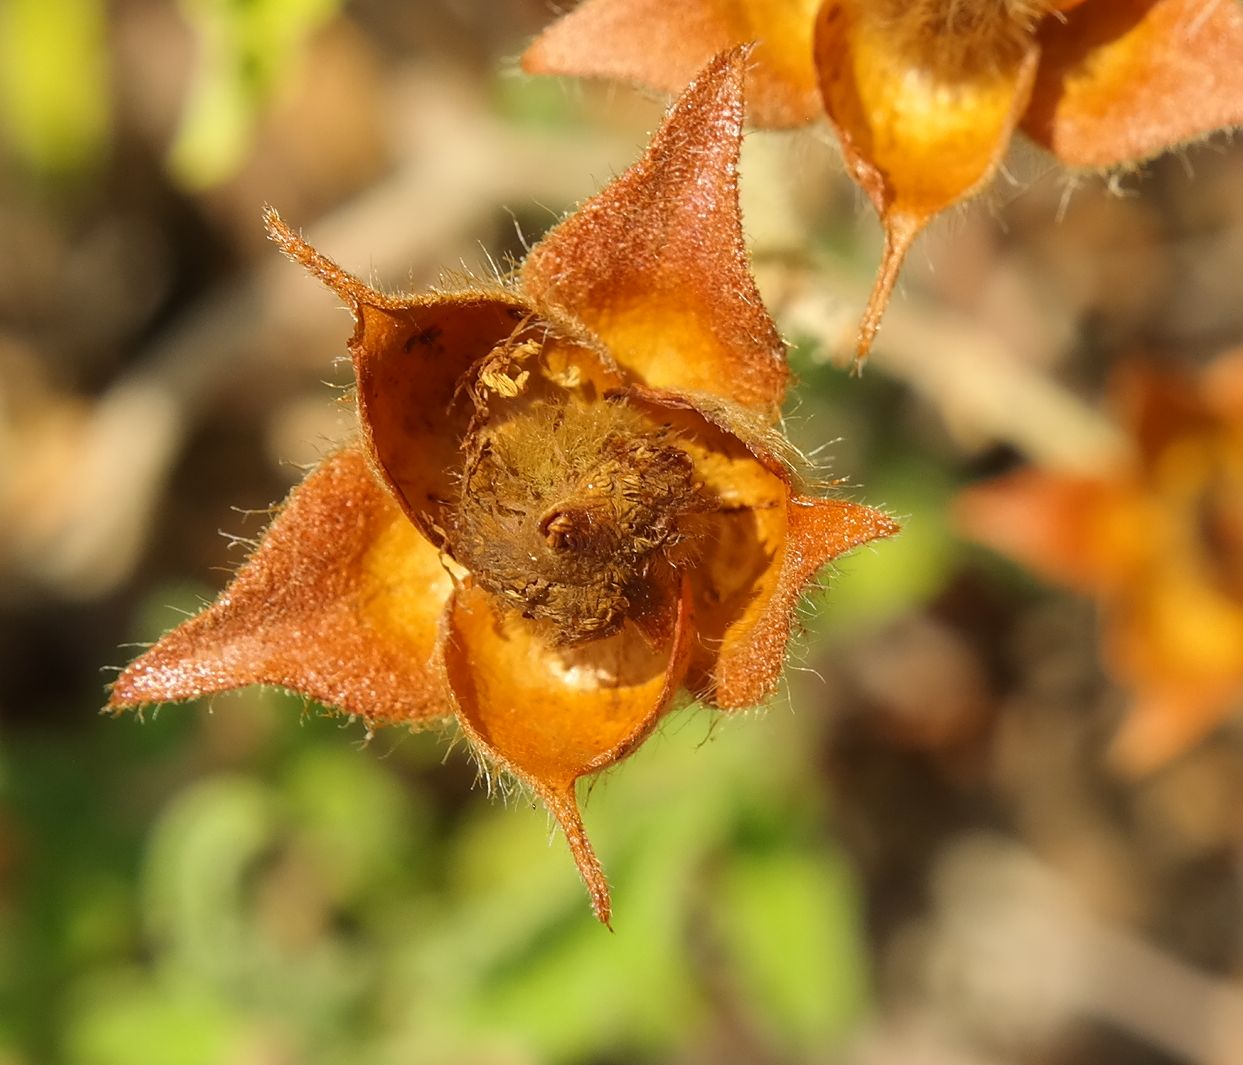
x=1159, y=542
x=923, y=859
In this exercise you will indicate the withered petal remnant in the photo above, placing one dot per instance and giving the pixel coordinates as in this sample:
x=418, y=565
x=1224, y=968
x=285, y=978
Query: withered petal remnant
x=924, y=95
x=568, y=501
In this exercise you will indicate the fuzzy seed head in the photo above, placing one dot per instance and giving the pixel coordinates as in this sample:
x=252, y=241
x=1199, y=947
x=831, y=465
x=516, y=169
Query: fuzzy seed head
x=567, y=499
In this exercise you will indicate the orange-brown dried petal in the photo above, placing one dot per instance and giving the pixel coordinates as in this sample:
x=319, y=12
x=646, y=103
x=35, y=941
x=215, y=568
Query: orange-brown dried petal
x=747, y=629
x=1122, y=81
x=656, y=267
x=663, y=44
x=749, y=551
x=410, y=362
x=550, y=714
x=410, y=358
x=340, y=602
x=741, y=458
x=921, y=128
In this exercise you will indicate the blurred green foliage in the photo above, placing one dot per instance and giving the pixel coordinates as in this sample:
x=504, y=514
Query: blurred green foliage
x=249, y=51
x=305, y=895
x=54, y=91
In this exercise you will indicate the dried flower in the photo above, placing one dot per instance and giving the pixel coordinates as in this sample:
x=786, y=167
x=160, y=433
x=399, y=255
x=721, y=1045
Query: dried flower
x=1158, y=543
x=925, y=94
x=568, y=501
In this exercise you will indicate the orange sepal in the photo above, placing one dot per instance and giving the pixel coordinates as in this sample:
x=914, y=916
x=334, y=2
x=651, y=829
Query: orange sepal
x=920, y=130
x=748, y=646
x=1123, y=81
x=550, y=714
x=411, y=356
x=340, y=602
x=656, y=267
x=662, y=44
x=1064, y=527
